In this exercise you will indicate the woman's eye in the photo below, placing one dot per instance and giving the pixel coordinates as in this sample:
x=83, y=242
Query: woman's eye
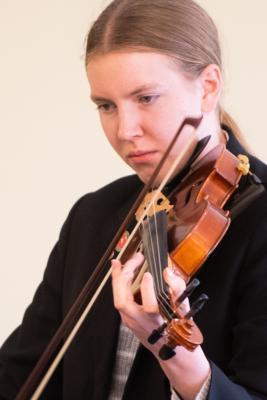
x=106, y=107
x=148, y=99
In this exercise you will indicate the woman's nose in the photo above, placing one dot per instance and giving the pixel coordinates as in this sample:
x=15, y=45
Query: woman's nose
x=129, y=125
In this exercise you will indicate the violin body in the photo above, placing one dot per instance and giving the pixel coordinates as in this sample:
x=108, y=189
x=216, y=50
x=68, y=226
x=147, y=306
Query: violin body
x=198, y=222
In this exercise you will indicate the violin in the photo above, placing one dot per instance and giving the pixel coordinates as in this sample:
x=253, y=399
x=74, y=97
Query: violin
x=181, y=232
x=175, y=231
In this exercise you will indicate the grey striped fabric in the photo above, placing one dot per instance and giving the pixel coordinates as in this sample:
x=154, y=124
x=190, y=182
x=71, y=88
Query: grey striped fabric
x=126, y=350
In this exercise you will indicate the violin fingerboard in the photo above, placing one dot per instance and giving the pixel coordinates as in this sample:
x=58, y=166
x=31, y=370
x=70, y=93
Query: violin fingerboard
x=154, y=238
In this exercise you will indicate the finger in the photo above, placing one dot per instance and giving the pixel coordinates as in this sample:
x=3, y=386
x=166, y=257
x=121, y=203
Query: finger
x=129, y=268
x=120, y=290
x=149, y=300
x=175, y=282
x=126, y=272
x=122, y=276
x=116, y=267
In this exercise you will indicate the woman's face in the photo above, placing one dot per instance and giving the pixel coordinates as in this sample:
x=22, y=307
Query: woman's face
x=142, y=99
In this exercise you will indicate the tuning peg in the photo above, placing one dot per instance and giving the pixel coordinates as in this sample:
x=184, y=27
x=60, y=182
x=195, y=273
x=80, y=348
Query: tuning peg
x=197, y=306
x=156, y=334
x=166, y=352
x=188, y=291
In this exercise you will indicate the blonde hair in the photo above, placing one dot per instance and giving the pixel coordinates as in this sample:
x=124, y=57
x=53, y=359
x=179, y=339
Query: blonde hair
x=180, y=29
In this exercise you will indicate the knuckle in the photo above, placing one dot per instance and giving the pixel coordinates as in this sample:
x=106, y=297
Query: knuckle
x=119, y=305
x=151, y=309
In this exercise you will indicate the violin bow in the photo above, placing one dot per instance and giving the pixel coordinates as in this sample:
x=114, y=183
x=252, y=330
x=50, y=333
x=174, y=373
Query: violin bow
x=83, y=304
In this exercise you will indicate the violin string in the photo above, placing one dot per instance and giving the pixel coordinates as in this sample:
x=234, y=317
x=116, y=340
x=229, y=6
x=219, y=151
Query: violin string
x=151, y=253
x=150, y=260
x=164, y=298
x=158, y=246
x=156, y=266
x=155, y=251
x=157, y=272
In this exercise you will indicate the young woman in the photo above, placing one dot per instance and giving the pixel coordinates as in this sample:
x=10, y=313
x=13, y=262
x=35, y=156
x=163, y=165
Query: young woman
x=151, y=64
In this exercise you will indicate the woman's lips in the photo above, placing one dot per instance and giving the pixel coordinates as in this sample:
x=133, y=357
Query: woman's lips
x=141, y=156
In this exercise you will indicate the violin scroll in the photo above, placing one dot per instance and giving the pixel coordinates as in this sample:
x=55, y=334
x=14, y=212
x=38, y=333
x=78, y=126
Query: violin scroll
x=181, y=330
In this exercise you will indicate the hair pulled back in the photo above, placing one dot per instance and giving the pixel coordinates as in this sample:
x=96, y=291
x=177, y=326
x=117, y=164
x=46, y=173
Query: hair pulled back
x=180, y=29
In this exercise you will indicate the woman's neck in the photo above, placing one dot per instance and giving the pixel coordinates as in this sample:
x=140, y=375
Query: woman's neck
x=210, y=126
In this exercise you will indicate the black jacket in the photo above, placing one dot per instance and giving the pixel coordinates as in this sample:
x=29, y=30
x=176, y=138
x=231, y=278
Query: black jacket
x=234, y=321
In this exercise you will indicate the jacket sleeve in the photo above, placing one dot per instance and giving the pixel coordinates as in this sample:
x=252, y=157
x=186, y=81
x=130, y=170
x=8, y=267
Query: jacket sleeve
x=246, y=378
x=22, y=349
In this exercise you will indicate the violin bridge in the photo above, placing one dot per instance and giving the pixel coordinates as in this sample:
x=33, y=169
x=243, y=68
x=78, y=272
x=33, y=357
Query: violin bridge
x=152, y=204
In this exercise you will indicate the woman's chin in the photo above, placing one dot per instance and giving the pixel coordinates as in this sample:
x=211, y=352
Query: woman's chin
x=146, y=177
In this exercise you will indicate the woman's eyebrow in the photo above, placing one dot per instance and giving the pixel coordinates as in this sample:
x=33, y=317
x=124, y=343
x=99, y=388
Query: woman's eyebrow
x=97, y=99
x=135, y=92
x=143, y=88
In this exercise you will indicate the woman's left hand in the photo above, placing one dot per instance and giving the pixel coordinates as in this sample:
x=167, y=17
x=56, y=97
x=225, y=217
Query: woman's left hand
x=186, y=371
x=141, y=319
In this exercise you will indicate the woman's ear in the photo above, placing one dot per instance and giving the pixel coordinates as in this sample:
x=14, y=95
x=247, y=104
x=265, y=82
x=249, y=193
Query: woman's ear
x=211, y=80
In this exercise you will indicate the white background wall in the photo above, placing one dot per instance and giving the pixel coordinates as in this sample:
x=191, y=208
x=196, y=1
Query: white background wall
x=51, y=147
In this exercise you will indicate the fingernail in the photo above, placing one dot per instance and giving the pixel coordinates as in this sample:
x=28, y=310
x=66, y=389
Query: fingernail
x=138, y=256
x=170, y=272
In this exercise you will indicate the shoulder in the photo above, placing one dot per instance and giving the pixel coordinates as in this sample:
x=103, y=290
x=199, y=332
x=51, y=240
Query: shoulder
x=111, y=195
x=119, y=189
x=111, y=198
